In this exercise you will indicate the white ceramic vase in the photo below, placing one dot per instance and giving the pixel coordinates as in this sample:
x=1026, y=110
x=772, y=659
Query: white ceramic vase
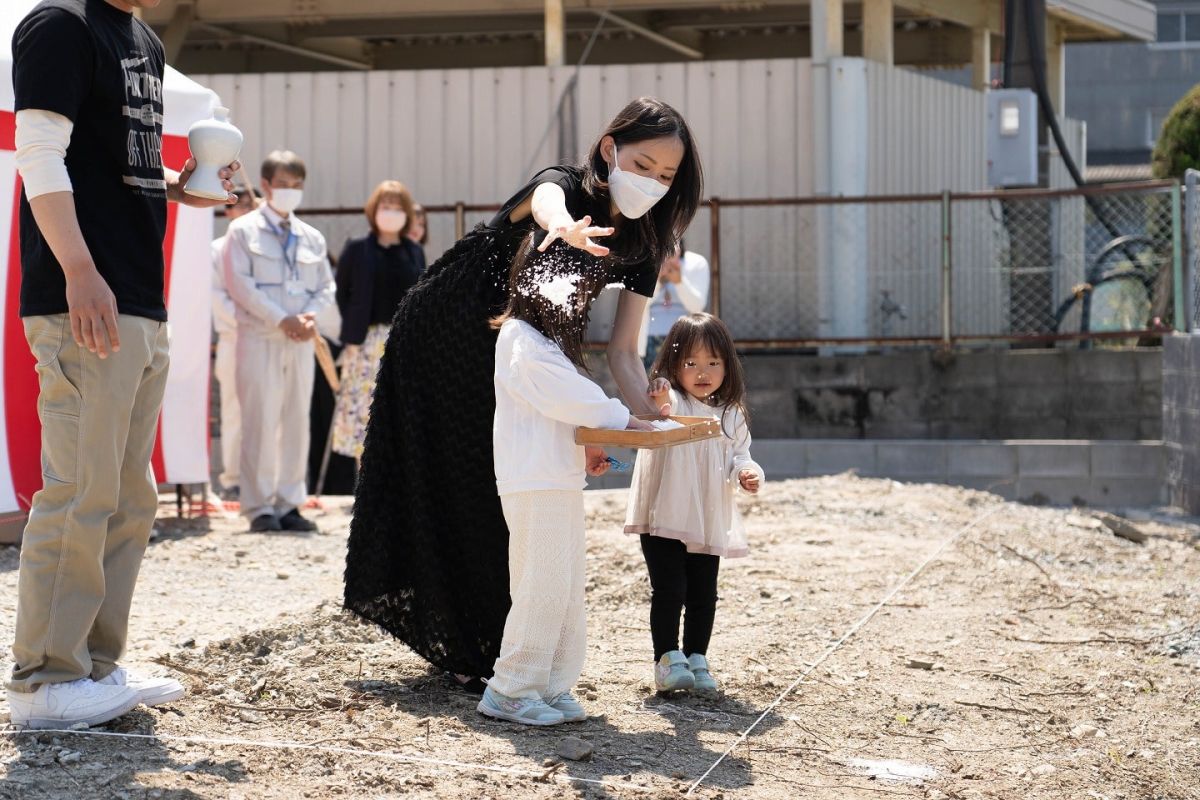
x=215, y=143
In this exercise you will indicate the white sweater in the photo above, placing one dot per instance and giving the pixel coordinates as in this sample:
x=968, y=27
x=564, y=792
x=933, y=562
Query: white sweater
x=540, y=399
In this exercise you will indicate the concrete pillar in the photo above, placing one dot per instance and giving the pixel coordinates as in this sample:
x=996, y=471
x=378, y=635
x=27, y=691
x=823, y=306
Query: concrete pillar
x=555, y=35
x=177, y=30
x=1056, y=65
x=828, y=24
x=981, y=58
x=840, y=152
x=878, y=31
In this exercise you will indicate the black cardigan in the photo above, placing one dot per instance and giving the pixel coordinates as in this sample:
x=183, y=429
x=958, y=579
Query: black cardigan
x=371, y=283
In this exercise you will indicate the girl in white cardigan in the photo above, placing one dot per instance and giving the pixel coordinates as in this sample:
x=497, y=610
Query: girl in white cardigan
x=681, y=501
x=541, y=397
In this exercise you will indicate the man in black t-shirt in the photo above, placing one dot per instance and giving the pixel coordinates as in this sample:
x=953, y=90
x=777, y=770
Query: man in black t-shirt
x=88, y=80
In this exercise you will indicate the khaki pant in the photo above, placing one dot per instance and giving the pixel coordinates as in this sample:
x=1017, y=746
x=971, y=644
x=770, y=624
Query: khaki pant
x=545, y=633
x=231, y=415
x=274, y=387
x=91, y=521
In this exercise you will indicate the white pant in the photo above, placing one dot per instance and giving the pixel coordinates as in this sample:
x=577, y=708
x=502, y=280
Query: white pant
x=274, y=389
x=231, y=416
x=545, y=634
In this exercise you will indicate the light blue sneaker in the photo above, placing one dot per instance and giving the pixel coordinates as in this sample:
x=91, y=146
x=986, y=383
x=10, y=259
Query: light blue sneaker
x=705, y=683
x=524, y=710
x=568, y=706
x=671, y=673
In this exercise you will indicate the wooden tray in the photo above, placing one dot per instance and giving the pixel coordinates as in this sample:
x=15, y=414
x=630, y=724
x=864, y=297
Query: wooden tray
x=695, y=429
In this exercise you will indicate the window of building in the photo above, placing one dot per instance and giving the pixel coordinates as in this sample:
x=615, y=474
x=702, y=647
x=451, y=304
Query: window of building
x=1170, y=27
x=1178, y=25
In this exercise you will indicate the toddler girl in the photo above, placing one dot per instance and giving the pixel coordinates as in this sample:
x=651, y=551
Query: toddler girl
x=681, y=501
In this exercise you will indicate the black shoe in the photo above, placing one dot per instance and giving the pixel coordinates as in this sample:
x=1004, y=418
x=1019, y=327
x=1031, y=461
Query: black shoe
x=265, y=522
x=292, y=521
x=466, y=683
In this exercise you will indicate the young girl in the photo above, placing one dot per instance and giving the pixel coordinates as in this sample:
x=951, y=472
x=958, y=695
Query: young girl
x=681, y=500
x=541, y=398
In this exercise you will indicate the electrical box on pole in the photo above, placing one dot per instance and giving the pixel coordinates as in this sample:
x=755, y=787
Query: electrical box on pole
x=1012, y=138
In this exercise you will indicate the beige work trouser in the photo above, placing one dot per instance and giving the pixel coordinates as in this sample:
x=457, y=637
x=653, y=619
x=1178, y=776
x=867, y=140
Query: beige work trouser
x=91, y=521
x=274, y=387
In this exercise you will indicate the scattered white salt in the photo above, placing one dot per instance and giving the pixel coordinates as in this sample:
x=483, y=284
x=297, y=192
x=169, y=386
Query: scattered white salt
x=665, y=424
x=559, y=290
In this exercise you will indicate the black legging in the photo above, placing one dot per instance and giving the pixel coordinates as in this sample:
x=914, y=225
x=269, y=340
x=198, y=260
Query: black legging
x=677, y=579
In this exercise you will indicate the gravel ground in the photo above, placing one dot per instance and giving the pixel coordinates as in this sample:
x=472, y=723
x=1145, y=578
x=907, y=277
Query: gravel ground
x=1037, y=656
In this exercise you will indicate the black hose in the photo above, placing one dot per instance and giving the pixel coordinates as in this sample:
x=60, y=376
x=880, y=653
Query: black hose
x=1038, y=62
x=1010, y=41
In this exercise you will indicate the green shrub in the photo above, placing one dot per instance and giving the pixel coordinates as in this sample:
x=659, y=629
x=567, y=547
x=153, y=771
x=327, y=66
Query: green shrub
x=1178, y=147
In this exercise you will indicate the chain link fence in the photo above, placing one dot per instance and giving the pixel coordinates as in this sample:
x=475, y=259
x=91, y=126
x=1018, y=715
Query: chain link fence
x=1019, y=266
x=1022, y=266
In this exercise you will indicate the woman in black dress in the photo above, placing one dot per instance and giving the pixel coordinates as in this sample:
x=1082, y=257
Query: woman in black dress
x=428, y=549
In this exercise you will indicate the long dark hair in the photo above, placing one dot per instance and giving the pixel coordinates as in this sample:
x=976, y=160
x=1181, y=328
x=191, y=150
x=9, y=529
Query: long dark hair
x=696, y=330
x=654, y=235
x=553, y=292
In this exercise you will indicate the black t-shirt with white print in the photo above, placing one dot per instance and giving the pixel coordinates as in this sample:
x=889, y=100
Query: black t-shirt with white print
x=102, y=68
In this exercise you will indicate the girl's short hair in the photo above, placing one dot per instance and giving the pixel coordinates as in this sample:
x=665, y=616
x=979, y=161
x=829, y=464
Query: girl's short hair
x=393, y=191
x=553, y=292
x=696, y=330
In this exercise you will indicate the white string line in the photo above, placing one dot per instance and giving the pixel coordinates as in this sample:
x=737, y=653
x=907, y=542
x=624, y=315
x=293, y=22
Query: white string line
x=273, y=744
x=845, y=637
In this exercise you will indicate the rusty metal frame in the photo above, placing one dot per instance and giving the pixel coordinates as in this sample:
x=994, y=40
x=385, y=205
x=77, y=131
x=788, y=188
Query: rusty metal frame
x=944, y=199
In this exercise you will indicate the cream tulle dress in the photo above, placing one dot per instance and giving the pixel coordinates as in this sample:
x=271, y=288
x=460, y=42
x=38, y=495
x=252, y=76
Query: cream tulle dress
x=685, y=492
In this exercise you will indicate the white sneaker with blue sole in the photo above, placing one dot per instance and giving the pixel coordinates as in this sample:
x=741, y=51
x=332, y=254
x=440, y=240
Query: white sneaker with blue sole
x=706, y=684
x=525, y=710
x=569, y=707
x=671, y=673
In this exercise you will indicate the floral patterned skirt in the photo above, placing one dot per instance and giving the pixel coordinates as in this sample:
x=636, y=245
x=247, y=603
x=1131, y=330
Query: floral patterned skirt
x=353, y=407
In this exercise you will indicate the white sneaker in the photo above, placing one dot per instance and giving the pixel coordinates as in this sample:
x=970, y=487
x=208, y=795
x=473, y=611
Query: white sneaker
x=63, y=705
x=151, y=691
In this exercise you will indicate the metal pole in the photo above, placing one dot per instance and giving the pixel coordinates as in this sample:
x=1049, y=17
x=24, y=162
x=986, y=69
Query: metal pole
x=1177, y=255
x=1191, y=205
x=460, y=221
x=715, y=262
x=947, y=275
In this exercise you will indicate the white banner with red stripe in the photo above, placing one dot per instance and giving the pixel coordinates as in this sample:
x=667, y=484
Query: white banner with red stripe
x=181, y=448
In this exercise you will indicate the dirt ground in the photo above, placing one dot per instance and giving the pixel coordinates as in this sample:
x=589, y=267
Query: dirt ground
x=1039, y=656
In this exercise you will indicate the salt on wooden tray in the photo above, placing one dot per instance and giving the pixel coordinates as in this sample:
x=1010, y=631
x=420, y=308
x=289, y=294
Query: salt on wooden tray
x=683, y=431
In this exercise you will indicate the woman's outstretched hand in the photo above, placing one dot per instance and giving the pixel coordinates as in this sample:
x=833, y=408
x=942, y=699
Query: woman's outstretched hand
x=578, y=234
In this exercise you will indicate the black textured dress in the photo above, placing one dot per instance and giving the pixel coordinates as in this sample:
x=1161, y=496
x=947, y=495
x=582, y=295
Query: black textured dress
x=428, y=549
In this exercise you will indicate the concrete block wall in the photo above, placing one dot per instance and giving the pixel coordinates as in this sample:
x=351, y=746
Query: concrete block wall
x=1031, y=394
x=968, y=394
x=1065, y=472
x=1181, y=419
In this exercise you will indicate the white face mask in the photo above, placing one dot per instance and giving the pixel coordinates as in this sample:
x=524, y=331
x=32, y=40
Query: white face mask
x=633, y=194
x=285, y=201
x=390, y=220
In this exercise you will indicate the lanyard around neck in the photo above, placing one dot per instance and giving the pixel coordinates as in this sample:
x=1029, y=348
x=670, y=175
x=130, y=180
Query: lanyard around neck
x=287, y=240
